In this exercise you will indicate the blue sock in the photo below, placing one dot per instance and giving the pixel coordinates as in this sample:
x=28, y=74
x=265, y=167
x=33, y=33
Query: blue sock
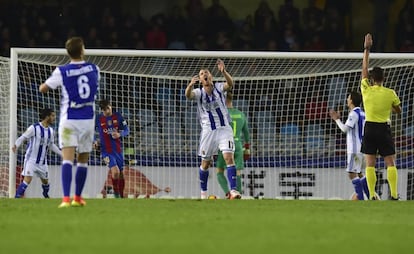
x=21, y=189
x=358, y=188
x=231, y=176
x=80, y=178
x=45, y=188
x=203, y=179
x=66, y=178
x=365, y=186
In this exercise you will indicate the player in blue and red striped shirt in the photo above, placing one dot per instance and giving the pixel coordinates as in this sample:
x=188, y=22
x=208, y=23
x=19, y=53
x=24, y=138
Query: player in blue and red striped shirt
x=112, y=128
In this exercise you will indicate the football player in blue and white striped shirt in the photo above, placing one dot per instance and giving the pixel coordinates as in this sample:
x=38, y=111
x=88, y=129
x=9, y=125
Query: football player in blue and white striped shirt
x=216, y=131
x=353, y=128
x=41, y=137
x=79, y=81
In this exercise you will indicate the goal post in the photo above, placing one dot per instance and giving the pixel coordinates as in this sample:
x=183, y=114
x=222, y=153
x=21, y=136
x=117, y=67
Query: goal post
x=297, y=150
x=4, y=125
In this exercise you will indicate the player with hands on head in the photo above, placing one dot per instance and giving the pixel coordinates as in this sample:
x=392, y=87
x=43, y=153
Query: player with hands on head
x=79, y=82
x=216, y=132
x=112, y=128
x=379, y=102
x=242, y=146
x=353, y=128
x=41, y=138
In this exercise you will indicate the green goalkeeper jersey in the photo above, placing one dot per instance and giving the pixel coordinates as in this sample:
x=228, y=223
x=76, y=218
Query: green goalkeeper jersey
x=240, y=127
x=241, y=137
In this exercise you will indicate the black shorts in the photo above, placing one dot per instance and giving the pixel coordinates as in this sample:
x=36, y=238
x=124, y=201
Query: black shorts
x=377, y=139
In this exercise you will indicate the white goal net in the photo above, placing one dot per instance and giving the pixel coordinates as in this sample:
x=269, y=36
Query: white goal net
x=297, y=150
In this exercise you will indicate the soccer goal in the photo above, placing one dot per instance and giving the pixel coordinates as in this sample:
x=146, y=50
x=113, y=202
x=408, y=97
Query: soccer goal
x=297, y=150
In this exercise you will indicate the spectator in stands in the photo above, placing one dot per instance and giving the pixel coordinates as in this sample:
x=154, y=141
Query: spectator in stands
x=201, y=42
x=138, y=40
x=245, y=35
x=177, y=29
x=381, y=12
x=218, y=20
x=290, y=40
x=265, y=25
x=335, y=35
x=156, y=37
x=313, y=17
x=5, y=48
x=196, y=16
x=404, y=30
x=314, y=43
x=93, y=38
x=313, y=25
x=272, y=45
x=288, y=13
x=223, y=41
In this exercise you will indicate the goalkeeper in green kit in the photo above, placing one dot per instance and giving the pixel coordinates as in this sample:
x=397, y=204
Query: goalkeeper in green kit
x=242, y=143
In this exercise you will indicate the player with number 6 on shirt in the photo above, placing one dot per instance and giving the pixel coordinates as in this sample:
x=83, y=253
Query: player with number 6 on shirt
x=78, y=81
x=216, y=131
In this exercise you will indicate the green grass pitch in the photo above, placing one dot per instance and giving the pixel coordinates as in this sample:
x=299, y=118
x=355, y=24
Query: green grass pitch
x=209, y=226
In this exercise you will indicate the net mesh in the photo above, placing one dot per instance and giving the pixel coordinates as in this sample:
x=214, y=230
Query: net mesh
x=4, y=126
x=297, y=150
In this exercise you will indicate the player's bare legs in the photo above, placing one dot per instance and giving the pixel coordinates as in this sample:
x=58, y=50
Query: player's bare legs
x=115, y=174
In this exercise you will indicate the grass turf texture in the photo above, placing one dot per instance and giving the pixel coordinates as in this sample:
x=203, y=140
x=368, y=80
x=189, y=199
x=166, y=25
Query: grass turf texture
x=209, y=226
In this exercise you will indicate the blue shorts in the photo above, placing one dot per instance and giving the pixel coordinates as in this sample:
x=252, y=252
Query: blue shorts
x=114, y=159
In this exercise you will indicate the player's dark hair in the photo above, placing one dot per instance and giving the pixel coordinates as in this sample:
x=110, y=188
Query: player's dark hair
x=74, y=47
x=377, y=74
x=356, y=98
x=103, y=104
x=45, y=113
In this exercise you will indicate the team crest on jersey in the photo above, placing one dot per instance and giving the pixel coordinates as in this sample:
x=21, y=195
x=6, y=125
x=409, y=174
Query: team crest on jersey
x=106, y=160
x=109, y=122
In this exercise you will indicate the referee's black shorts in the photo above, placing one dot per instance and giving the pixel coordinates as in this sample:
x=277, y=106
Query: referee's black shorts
x=377, y=139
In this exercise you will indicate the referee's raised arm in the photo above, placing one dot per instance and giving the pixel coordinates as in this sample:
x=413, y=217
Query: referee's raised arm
x=365, y=59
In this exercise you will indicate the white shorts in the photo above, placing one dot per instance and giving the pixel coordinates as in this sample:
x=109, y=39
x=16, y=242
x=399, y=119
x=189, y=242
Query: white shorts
x=213, y=140
x=77, y=133
x=355, y=163
x=30, y=168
